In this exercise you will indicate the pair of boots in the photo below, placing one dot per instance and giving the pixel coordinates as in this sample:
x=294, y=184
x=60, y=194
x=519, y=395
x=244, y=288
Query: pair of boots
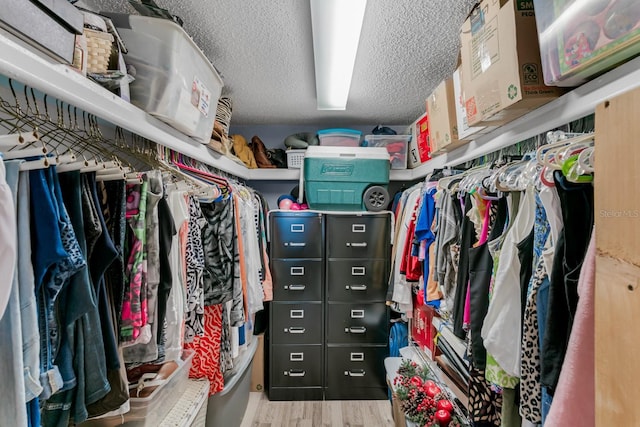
x=253, y=155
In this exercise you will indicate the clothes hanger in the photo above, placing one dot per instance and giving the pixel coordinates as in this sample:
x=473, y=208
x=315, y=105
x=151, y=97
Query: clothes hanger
x=585, y=159
x=18, y=139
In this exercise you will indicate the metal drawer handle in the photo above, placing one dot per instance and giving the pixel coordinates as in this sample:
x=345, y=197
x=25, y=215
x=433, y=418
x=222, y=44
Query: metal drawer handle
x=296, y=314
x=356, y=373
x=356, y=245
x=297, y=228
x=357, y=314
x=358, y=228
x=356, y=287
x=296, y=271
x=357, y=357
x=358, y=271
x=295, y=287
x=296, y=245
x=355, y=330
x=294, y=373
x=296, y=357
x=295, y=330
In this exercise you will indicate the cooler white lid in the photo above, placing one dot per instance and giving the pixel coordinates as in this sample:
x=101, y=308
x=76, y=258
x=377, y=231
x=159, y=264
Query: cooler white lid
x=317, y=151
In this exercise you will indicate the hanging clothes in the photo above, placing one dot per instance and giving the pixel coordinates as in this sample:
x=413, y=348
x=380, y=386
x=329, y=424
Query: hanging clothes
x=575, y=395
x=194, y=314
x=502, y=329
x=12, y=386
x=134, y=307
x=447, y=247
x=577, y=211
x=218, y=238
x=547, y=226
x=466, y=239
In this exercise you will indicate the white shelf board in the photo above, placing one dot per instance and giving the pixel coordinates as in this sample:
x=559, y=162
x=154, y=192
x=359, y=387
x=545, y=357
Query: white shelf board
x=274, y=174
x=62, y=82
x=575, y=104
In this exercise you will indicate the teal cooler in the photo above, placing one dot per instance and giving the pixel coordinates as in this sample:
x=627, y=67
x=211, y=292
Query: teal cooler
x=340, y=178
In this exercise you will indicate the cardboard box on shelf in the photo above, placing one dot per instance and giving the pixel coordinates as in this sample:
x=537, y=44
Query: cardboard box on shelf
x=443, y=126
x=419, y=144
x=501, y=67
x=464, y=130
x=257, y=369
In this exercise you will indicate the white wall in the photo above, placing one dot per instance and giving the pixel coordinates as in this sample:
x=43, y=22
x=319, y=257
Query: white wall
x=273, y=135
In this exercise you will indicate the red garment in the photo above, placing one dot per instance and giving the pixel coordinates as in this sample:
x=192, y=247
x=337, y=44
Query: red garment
x=410, y=265
x=206, y=361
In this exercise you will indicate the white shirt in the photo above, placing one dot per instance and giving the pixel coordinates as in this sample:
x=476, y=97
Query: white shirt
x=502, y=326
x=8, y=239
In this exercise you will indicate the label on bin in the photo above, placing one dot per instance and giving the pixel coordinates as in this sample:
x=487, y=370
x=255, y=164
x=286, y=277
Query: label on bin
x=200, y=96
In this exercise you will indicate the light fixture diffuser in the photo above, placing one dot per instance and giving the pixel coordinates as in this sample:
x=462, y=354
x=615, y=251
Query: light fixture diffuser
x=336, y=26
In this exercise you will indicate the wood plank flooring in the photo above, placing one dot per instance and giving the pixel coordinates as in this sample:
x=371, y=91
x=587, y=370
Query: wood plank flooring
x=330, y=413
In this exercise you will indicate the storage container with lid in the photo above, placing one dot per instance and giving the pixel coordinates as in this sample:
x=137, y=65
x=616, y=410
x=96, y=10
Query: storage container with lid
x=396, y=146
x=339, y=137
x=174, y=80
x=346, y=178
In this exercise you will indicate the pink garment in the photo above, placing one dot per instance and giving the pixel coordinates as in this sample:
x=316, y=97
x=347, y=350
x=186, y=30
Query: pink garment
x=575, y=397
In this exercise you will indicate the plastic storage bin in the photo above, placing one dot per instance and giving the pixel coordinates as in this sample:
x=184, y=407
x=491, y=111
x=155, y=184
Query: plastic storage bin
x=151, y=410
x=598, y=35
x=174, y=81
x=396, y=146
x=227, y=408
x=339, y=137
x=346, y=179
x=295, y=158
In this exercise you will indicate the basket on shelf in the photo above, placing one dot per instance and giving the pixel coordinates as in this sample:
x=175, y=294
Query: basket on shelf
x=99, y=45
x=295, y=158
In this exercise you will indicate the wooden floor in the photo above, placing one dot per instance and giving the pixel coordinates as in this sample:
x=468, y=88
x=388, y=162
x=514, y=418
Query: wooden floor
x=337, y=413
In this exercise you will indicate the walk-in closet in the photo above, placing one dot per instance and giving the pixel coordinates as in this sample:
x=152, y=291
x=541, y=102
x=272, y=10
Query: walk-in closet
x=319, y=213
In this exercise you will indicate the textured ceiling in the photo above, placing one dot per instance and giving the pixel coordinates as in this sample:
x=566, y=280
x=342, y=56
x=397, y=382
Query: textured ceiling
x=264, y=52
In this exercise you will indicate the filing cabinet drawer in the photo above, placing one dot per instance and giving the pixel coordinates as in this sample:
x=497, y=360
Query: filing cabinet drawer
x=356, y=366
x=296, y=323
x=296, y=235
x=351, y=236
x=296, y=365
x=357, y=323
x=297, y=280
x=357, y=280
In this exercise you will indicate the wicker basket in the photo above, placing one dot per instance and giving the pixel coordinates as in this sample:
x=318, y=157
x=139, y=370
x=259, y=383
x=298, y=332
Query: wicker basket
x=295, y=158
x=99, y=45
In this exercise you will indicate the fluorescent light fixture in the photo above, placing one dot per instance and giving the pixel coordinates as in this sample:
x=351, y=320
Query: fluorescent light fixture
x=336, y=26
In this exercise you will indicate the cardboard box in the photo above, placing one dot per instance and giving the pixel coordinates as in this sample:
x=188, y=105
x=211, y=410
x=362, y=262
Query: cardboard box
x=419, y=145
x=257, y=370
x=443, y=125
x=399, y=419
x=501, y=67
x=464, y=130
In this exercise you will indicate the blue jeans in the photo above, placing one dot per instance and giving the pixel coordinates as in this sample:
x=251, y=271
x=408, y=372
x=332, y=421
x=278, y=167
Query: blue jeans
x=28, y=306
x=47, y=254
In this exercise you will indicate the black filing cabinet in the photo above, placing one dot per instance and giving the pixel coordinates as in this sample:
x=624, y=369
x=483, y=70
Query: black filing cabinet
x=329, y=323
x=296, y=316
x=357, y=317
